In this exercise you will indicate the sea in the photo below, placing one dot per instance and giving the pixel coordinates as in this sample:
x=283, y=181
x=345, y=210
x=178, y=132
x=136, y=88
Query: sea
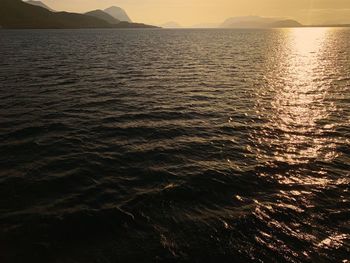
x=189, y=145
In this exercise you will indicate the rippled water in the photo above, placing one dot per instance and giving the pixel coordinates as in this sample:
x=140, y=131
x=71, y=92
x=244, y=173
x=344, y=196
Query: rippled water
x=175, y=145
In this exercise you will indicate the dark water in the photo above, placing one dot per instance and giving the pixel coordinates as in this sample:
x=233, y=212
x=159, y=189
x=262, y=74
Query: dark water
x=175, y=146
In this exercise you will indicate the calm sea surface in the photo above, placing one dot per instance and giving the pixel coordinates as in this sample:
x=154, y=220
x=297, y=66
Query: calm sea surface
x=175, y=145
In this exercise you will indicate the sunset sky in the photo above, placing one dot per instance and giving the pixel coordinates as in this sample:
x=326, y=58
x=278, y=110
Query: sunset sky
x=189, y=12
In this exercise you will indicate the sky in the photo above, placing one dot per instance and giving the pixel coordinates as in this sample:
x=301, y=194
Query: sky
x=191, y=12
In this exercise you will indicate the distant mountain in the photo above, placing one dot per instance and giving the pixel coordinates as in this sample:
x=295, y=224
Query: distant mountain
x=41, y=4
x=104, y=16
x=285, y=23
x=205, y=25
x=247, y=21
x=258, y=22
x=18, y=14
x=118, y=13
x=171, y=25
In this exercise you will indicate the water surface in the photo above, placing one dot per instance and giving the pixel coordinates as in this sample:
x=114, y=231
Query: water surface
x=175, y=145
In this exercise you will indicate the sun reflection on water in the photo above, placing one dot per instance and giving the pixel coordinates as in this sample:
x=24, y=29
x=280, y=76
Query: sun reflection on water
x=297, y=86
x=298, y=132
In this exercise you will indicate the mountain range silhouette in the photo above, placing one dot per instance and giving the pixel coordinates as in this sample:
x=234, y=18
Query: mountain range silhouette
x=15, y=14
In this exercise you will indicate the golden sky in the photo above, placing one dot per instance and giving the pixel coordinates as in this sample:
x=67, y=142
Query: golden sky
x=189, y=12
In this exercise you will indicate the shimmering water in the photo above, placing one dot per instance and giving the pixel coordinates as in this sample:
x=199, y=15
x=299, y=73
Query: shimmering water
x=175, y=145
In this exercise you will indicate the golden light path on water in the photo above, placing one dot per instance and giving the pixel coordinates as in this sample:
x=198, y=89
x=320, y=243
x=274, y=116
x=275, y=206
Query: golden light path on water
x=294, y=103
x=299, y=85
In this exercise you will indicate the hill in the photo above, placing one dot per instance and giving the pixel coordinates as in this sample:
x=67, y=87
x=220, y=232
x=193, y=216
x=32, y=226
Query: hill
x=17, y=14
x=258, y=22
x=104, y=16
x=118, y=13
x=285, y=23
x=41, y=4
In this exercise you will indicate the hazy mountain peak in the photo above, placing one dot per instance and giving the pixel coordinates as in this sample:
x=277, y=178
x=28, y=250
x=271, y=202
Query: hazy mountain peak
x=41, y=4
x=258, y=22
x=205, y=25
x=103, y=15
x=118, y=13
x=286, y=23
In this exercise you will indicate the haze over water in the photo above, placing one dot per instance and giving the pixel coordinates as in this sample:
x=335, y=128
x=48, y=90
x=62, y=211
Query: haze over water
x=175, y=145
